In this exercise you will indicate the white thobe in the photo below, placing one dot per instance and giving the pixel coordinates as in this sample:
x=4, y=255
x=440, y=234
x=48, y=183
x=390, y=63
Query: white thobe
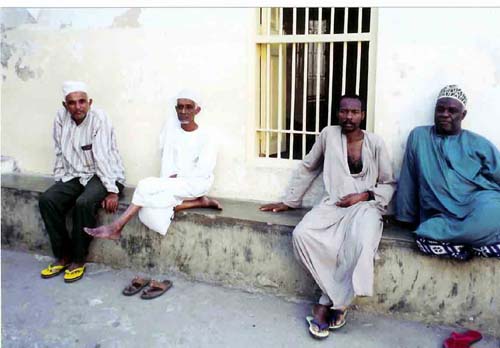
x=337, y=245
x=191, y=156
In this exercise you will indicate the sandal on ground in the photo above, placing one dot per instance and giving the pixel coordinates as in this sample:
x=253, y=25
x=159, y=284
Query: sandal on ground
x=462, y=340
x=74, y=275
x=156, y=289
x=52, y=271
x=317, y=330
x=136, y=285
x=335, y=314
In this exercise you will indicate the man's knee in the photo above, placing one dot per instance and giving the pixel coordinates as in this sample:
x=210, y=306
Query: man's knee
x=84, y=203
x=145, y=185
x=45, y=200
x=373, y=215
x=370, y=218
x=367, y=227
x=299, y=233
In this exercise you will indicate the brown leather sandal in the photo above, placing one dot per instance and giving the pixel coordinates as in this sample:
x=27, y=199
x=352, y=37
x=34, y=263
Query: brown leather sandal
x=156, y=289
x=136, y=285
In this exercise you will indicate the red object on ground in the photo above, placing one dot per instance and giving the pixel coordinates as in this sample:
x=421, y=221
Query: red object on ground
x=462, y=340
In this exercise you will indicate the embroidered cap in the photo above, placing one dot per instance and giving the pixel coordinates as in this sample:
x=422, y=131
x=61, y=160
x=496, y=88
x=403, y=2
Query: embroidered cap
x=455, y=92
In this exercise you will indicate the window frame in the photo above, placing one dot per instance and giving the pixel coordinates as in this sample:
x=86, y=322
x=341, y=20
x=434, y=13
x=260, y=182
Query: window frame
x=264, y=38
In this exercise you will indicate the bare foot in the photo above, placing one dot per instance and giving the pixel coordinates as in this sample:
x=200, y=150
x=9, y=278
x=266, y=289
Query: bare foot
x=111, y=231
x=63, y=261
x=321, y=313
x=337, y=317
x=210, y=203
x=75, y=265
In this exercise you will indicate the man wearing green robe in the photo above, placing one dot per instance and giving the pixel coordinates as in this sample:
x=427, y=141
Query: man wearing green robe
x=450, y=184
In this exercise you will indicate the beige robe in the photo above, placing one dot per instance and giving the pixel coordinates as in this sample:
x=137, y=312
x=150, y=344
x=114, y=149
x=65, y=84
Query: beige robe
x=337, y=245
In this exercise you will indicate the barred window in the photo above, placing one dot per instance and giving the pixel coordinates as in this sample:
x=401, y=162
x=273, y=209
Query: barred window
x=309, y=57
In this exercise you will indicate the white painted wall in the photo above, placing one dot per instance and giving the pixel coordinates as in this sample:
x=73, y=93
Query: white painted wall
x=422, y=50
x=134, y=60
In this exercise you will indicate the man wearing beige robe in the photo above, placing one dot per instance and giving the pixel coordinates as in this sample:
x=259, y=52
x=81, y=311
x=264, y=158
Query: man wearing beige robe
x=337, y=240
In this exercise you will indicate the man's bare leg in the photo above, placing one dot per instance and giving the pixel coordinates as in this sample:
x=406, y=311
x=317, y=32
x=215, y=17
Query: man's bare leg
x=200, y=202
x=65, y=260
x=75, y=265
x=321, y=313
x=114, y=230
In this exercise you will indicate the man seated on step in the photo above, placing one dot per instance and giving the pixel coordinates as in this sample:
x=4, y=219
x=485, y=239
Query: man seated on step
x=337, y=240
x=449, y=185
x=88, y=172
x=187, y=173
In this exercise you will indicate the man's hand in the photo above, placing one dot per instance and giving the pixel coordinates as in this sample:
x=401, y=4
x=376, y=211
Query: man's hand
x=275, y=207
x=110, y=203
x=352, y=199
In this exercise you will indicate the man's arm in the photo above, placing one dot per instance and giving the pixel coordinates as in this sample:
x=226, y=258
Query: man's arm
x=354, y=198
x=386, y=184
x=407, y=201
x=56, y=135
x=308, y=170
x=490, y=158
x=101, y=148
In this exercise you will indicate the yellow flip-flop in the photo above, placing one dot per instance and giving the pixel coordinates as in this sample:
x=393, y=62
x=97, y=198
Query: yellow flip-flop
x=74, y=275
x=52, y=271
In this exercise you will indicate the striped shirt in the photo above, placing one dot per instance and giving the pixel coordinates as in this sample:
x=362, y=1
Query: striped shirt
x=87, y=149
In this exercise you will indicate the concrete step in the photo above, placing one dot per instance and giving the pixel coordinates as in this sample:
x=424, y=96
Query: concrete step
x=245, y=248
x=92, y=313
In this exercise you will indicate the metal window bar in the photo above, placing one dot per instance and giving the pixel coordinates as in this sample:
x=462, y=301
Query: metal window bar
x=318, y=70
x=330, y=69
x=358, y=59
x=268, y=84
x=292, y=104
x=280, y=86
x=304, y=97
x=344, y=55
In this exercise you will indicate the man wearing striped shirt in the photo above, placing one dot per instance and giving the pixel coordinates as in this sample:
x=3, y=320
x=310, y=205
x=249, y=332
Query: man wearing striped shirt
x=88, y=172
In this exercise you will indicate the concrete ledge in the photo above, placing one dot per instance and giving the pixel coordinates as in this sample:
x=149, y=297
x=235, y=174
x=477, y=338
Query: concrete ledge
x=245, y=248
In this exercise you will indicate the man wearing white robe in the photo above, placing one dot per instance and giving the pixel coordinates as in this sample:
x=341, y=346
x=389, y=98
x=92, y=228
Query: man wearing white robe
x=337, y=240
x=188, y=161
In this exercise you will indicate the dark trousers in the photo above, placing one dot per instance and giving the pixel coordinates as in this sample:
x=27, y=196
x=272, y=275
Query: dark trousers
x=55, y=204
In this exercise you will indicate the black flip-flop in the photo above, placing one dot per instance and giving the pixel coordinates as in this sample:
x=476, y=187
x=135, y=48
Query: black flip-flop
x=335, y=314
x=136, y=285
x=156, y=289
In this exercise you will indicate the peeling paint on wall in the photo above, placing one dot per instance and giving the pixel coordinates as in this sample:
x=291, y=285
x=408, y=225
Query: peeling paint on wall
x=9, y=165
x=7, y=51
x=130, y=19
x=14, y=17
x=23, y=71
x=65, y=25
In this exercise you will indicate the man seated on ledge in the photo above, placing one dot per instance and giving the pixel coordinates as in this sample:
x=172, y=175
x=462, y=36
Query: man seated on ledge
x=88, y=172
x=337, y=240
x=450, y=185
x=188, y=161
